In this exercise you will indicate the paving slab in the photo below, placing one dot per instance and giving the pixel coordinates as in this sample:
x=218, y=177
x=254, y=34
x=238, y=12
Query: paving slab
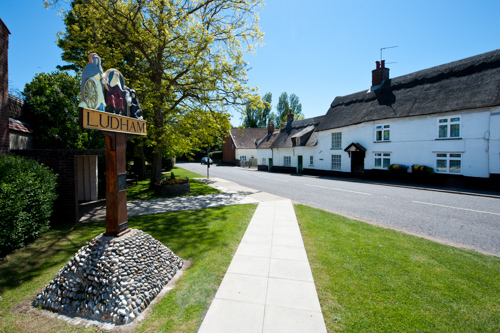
x=269, y=277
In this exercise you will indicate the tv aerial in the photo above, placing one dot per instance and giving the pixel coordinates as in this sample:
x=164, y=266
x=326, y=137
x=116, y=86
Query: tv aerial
x=383, y=48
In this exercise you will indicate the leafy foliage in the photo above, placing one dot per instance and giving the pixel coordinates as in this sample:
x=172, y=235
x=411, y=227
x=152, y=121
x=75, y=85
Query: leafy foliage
x=288, y=105
x=261, y=115
x=27, y=193
x=183, y=57
x=51, y=102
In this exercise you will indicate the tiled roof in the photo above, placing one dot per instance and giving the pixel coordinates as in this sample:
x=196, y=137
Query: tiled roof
x=247, y=137
x=16, y=125
x=470, y=83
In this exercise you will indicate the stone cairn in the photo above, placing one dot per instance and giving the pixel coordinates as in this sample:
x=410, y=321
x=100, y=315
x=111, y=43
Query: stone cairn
x=111, y=279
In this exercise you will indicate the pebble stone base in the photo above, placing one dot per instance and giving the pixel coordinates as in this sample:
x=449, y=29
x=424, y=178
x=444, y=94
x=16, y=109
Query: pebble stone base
x=111, y=279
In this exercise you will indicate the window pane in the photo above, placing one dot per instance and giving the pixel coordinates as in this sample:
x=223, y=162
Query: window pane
x=443, y=120
x=455, y=166
x=441, y=165
x=443, y=131
x=456, y=155
x=378, y=154
x=379, y=136
x=378, y=163
x=442, y=155
x=337, y=140
x=386, y=135
x=387, y=154
x=387, y=162
x=311, y=160
x=454, y=120
x=455, y=130
x=336, y=162
x=387, y=126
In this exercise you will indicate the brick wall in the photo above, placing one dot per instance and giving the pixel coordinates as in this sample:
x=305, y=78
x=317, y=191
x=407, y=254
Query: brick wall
x=228, y=151
x=62, y=162
x=4, y=89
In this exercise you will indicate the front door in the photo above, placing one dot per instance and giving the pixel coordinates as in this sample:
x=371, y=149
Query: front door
x=270, y=164
x=300, y=163
x=357, y=162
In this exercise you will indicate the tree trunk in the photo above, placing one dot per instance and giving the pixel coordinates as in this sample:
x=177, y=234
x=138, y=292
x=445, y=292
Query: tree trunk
x=140, y=162
x=156, y=167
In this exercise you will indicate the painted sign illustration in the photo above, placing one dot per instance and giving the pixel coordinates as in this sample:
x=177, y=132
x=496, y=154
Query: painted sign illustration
x=107, y=103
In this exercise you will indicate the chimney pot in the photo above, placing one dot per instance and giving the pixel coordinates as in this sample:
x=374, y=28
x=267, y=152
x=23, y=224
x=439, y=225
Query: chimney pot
x=383, y=63
x=377, y=64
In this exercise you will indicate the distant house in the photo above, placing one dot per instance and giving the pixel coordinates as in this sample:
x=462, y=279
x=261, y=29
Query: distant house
x=240, y=146
x=264, y=151
x=293, y=147
x=445, y=117
x=20, y=133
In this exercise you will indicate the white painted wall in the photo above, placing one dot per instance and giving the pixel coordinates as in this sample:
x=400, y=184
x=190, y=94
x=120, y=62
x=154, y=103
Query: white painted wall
x=86, y=167
x=248, y=152
x=494, y=142
x=414, y=140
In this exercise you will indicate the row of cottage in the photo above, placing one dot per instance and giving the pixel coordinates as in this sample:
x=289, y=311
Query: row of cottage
x=446, y=117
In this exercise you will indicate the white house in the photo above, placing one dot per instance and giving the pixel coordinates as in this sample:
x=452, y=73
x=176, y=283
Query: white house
x=446, y=117
x=240, y=146
x=293, y=147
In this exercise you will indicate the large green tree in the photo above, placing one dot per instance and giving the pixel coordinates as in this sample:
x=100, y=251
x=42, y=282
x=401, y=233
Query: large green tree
x=184, y=57
x=288, y=105
x=51, y=108
x=258, y=116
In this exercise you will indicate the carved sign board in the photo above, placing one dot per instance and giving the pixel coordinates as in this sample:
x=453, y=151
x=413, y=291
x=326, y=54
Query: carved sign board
x=105, y=121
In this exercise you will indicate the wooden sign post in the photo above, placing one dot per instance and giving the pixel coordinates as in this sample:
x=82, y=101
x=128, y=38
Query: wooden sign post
x=110, y=107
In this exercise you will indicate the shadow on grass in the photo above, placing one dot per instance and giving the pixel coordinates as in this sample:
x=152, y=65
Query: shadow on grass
x=50, y=251
x=189, y=234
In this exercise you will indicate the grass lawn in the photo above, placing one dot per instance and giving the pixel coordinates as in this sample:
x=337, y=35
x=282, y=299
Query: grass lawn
x=208, y=238
x=371, y=279
x=143, y=192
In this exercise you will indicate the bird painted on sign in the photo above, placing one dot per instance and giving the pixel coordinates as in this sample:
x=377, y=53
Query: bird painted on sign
x=92, y=91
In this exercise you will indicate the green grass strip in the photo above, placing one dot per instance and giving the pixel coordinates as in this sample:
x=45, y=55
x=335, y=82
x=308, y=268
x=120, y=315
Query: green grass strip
x=142, y=191
x=371, y=279
x=208, y=238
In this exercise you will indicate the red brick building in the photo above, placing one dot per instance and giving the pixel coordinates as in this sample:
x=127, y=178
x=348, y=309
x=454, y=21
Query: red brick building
x=4, y=88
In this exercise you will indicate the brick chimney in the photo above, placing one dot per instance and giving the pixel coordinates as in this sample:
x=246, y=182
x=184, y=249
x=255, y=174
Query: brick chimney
x=380, y=73
x=270, y=128
x=289, y=116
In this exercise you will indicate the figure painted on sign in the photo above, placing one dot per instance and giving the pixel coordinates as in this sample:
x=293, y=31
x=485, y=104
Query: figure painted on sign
x=114, y=93
x=134, y=108
x=107, y=91
x=92, y=92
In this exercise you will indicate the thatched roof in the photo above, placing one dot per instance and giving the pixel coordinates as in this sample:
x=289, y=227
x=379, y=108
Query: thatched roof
x=470, y=83
x=303, y=128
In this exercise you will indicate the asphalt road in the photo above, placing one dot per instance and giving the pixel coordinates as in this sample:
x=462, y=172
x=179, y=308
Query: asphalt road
x=463, y=220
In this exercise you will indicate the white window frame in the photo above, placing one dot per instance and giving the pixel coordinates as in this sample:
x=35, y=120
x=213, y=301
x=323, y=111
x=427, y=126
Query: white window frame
x=337, y=140
x=311, y=160
x=264, y=161
x=297, y=142
x=447, y=123
x=243, y=158
x=382, y=130
x=383, y=159
x=287, y=160
x=450, y=160
x=337, y=162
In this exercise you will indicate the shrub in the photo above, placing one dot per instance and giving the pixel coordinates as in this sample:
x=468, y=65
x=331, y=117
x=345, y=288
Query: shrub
x=398, y=167
x=168, y=163
x=422, y=170
x=27, y=193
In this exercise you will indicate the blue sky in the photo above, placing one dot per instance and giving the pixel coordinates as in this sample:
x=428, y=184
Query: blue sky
x=316, y=49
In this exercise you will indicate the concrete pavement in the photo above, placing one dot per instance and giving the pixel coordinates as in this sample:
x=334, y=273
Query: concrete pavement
x=268, y=286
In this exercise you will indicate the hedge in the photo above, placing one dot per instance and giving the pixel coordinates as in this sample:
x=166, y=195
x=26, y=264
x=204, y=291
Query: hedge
x=27, y=194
